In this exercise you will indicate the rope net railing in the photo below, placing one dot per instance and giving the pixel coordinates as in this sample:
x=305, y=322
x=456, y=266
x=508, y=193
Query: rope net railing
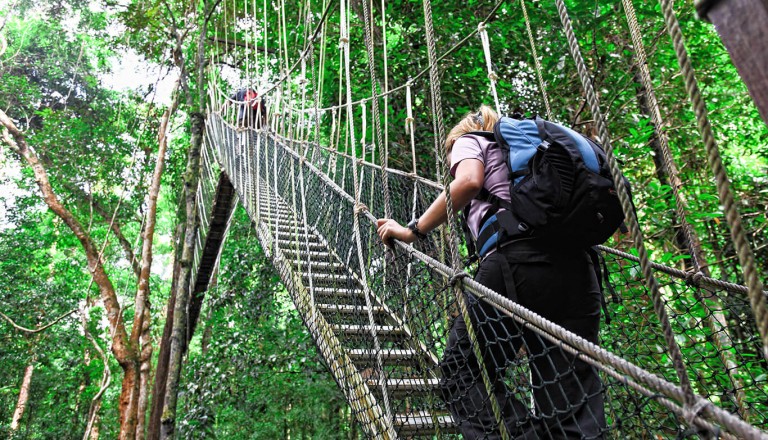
x=679, y=356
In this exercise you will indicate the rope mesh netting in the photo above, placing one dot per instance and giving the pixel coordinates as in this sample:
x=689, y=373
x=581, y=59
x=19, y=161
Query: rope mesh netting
x=384, y=318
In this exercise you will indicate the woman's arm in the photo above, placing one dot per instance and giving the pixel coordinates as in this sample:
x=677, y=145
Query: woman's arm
x=468, y=183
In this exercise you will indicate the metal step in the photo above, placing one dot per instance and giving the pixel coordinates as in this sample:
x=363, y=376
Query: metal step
x=422, y=422
x=406, y=386
x=327, y=279
x=381, y=330
x=292, y=235
x=314, y=255
x=274, y=214
x=390, y=356
x=338, y=292
x=290, y=226
x=286, y=245
x=283, y=228
x=319, y=266
x=277, y=206
x=349, y=309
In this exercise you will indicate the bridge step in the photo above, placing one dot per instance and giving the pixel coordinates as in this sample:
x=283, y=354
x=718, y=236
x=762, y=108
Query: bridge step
x=327, y=279
x=276, y=217
x=390, y=356
x=406, y=386
x=381, y=330
x=290, y=228
x=277, y=212
x=289, y=245
x=349, y=309
x=423, y=422
x=338, y=292
x=291, y=236
x=320, y=266
x=302, y=252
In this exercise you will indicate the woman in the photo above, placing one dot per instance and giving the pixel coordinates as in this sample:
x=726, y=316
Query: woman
x=558, y=284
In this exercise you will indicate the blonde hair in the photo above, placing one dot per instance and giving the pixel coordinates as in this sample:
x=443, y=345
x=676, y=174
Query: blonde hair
x=481, y=120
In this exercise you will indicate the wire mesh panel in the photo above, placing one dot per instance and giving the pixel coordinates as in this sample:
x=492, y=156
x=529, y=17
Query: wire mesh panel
x=713, y=325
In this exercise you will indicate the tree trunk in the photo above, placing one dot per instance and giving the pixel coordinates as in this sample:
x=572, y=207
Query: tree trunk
x=182, y=294
x=161, y=371
x=129, y=397
x=145, y=371
x=191, y=178
x=21, y=404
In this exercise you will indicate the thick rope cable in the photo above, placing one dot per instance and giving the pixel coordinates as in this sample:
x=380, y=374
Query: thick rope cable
x=536, y=62
x=386, y=424
x=694, y=279
x=386, y=80
x=637, y=235
x=715, y=318
x=738, y=235
x=379, y=140
x=482, y=29
x=437, y=113
x=658, y=124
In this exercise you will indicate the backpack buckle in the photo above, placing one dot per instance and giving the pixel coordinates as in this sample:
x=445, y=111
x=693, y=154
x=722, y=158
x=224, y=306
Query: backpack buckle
x=543, y=146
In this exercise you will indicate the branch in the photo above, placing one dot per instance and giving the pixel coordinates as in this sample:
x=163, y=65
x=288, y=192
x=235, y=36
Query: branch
x=142, y=293
x=15, y=138
x=110, y=220
x=39, y=329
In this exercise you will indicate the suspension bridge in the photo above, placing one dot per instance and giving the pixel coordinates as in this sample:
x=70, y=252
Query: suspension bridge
x=380, y=317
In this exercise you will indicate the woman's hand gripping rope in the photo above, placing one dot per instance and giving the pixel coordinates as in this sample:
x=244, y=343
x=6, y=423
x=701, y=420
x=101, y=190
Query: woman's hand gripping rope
x=389, y=229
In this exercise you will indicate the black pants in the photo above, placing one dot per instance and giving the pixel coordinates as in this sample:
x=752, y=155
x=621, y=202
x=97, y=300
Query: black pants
x=567, y=392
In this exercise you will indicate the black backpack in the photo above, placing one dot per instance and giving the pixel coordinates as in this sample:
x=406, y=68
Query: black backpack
x=561, y=190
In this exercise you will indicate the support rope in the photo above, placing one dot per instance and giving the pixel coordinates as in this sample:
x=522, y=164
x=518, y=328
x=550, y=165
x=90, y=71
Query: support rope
x=637, y=235
x=738, y=234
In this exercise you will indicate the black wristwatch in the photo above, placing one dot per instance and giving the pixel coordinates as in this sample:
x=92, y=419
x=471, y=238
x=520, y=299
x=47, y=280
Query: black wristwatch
x=414, y=227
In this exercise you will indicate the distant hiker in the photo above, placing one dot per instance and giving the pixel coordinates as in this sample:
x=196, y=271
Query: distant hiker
x=251, y=109
x=552, y=276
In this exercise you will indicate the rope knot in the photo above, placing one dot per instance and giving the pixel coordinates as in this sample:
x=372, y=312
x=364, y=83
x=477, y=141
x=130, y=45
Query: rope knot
x=694, y=278
x=481, y=27
x=458, y=275
x=493, y=77
x=690, y=412
x=344, y=40
x=360, y=207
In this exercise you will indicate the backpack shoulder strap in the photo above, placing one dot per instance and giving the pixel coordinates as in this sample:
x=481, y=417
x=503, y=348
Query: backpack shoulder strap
x=543, y=133
x=486, y=134
x=494, y=200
